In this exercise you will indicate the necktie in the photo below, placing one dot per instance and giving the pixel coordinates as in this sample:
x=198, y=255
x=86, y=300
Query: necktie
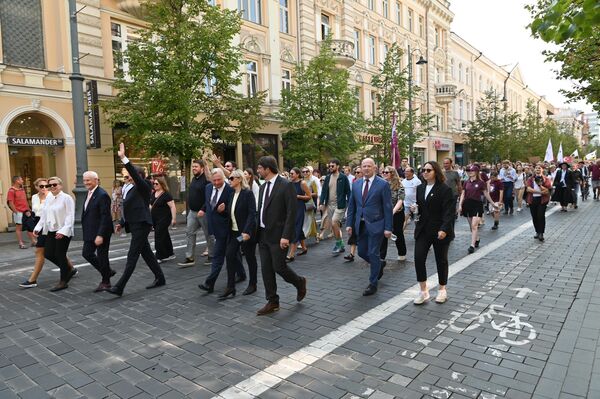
x=213, y=201
x=88, y=199
x=365, y=191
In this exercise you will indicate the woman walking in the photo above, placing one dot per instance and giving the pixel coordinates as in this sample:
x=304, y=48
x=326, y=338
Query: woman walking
x=563, y=186
x=471, y=203
x=303, y=195
x=242, y=236
x=56, y=224
x=117, y=200
x=252, y=183
x=435, y=210
x=496, y=190
x=391, y=176
x=163, y=211
x=520, y=186
x=538, y=196
x=309, y=227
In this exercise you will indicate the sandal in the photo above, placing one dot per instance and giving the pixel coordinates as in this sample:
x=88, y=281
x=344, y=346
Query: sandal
x=22, y=246
x=289, y=259
x=302, y=252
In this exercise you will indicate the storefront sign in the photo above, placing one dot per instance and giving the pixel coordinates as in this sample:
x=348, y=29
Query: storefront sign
x=35, y=141
x=442, y=145
x=93, y=114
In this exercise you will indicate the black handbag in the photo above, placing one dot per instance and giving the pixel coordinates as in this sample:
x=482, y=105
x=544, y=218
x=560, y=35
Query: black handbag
x=29, y=221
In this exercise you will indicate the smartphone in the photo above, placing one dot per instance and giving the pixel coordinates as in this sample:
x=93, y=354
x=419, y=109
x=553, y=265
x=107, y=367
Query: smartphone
x=240, y=238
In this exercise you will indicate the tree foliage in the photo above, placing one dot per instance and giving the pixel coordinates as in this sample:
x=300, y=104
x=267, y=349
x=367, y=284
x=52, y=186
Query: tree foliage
x=319, y=112
x=178, y=94
x=560, y=20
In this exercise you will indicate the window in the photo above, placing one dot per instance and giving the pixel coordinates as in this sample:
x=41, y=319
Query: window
x=438, y=37
x=410, y=20
x=357, y=99
x=357, y=44
x=386, y=48
x=118, y=34
x=480, y=83
x=421, y=26
x=325, y=26
x=250, y=10
x=251, y=79
x=399, y=13
x=420, y=74
x=467, y=76
x=22, y=36
x=210, y=83
x=439, y=75
x=461, y=110
x=286, y=80
x=284, y=21
x=460, y=72
x=385, y=8
x=441, y=119
x=468, y=111
x=452, y=72
x=371, y=4
x=373, y=103
x=371, y=50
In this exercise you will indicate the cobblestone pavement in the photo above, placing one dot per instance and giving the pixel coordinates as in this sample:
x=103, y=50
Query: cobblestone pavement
x=522, y=320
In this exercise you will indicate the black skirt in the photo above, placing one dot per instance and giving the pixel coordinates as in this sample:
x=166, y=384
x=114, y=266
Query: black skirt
x=472, y=208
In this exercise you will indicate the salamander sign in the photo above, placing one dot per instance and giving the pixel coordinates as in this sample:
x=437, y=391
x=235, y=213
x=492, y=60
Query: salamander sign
x=36, y=141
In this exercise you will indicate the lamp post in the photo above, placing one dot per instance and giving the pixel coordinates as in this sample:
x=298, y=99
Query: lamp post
x=410, y=110
x=78, y=120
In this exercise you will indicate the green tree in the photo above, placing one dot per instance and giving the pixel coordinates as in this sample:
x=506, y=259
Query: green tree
x=178, y=94
x=391, y=84
x=559, y=20
x=319, y=112
x=485, y=132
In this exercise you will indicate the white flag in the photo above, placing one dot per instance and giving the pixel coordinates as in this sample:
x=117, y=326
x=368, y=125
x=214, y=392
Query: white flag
x=559, y=156
x=591, y=155
x=575, y=154
x=549, y=157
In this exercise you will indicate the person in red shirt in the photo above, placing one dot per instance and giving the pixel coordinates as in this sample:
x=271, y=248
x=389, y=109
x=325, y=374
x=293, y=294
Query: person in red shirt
x=595, y=172
x=496, y=190
x=17, y=202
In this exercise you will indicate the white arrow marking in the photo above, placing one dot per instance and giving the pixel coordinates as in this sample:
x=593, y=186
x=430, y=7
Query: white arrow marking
x=523, y=292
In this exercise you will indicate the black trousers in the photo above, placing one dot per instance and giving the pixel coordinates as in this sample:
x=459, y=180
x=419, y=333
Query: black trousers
x=538, y=215
x=440, y=249
x=55, y=251
x=272, y=262
x=162, y=240
x=139, y=245
x=398, y=231
x=234, y=260
x=98, y=257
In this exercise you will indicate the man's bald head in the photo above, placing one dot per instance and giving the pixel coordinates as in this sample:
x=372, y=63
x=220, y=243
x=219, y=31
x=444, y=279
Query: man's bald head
x=368, y=167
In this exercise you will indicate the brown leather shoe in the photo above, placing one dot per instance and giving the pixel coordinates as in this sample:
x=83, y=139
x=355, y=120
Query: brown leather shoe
x=301, y=290
x=102, y=287
x=268, y=309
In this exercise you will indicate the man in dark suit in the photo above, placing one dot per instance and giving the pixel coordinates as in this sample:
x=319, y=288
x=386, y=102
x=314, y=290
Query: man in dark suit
x=217, y=197
x=96, y=222
x=276, y=223
x=370, y=213
x=136, y=219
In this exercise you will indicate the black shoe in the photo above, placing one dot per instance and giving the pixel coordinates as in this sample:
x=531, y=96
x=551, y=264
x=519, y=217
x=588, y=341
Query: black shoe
x=349, y=258
x=511, y=211
x=250, y=290
x=239, y=279
x=28, y=284
x=371, y=289
x=206, y=288
x=541, y=237
x=477, y=244
x=536, y=236
x=383, y=263
x=61, y=286
x=115, y=291
x=187, y=262
x=471, y=249
x=72, y=274
x=495, y=227
x=289, y=259
x=228, y=292
x=159, y=282
x=112, y=272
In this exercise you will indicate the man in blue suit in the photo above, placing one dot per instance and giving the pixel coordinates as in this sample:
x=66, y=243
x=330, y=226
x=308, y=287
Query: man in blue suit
x=370, y=214
x=96, y=222
x=217, y=195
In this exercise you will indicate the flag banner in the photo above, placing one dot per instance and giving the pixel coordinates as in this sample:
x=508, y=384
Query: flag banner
x=549, y=157
x=395, y=151
x=575, y=154
x=591, y=156
x=559, y=156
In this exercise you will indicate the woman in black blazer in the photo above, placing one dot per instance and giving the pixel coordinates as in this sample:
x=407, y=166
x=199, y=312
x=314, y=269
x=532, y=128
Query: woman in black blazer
x=436, y=211
x=242, y=211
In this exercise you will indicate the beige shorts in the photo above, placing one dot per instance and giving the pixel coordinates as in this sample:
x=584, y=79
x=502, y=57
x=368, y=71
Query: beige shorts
x=335, y=215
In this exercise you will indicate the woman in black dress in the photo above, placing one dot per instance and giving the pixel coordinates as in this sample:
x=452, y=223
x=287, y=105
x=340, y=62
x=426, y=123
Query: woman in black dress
x=563, y=186
x=162, y=207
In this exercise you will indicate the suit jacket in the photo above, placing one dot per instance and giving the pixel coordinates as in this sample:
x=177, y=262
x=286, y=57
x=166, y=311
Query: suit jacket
x=279, y=215
x=96, y=219
x=569, y=180
x=136, y=204
x=377, y=209
x=436, y=212
x=218, y=223
x=245, y=212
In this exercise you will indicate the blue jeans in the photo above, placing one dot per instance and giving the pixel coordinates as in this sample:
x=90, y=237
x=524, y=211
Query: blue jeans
x=368, y=249
x=508, y=195
x=217, y=260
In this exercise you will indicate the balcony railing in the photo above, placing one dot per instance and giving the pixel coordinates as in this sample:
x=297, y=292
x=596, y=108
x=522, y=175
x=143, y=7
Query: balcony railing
x=343, y=52
x=445, y=93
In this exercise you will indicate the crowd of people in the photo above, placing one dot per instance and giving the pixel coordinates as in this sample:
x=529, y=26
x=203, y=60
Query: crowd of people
x=277, y=211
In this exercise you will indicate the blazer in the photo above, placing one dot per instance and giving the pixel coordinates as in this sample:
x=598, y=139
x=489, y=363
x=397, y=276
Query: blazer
x=218, y=223
x=136, y=204
x=342, y=191
x=245, y=212
x=569, y=181
x=377, y=209
x=279, y=215
x=436, y=212
x=96, y=219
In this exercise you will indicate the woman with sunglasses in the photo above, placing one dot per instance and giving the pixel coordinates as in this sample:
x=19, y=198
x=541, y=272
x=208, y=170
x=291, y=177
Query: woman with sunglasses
x=309, y=226
x=163, y=211
x=435, y=208
x=471, y=203
x=56, y=224
x=391, y=176
x=303, y=195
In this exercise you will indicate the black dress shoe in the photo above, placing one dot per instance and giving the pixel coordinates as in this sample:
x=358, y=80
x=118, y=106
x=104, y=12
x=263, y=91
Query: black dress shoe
x=228, y=292
x=206, y=288
x=61, y=286
x=536, y=236
x=239, y=279
x=371, y=289
x=383, y=263
x=156, y=283
x=112, y=272
x=250, y=290
x=115, y=291
x=541, y=237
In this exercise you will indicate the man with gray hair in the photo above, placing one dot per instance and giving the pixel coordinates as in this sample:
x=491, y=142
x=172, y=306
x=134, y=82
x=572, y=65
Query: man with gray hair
x=96, y=222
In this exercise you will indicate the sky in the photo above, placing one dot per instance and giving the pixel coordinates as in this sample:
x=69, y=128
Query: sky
x=498, y=28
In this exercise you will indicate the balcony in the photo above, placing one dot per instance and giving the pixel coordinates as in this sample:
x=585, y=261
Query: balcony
x=132, y=7
x=343, y=53
x=445, y=93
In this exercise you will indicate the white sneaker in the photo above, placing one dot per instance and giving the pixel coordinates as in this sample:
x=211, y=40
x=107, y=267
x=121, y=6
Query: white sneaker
x=519, y=209
x=171, y=257
x=401, y=258
x=441, y=297
x=422, y=298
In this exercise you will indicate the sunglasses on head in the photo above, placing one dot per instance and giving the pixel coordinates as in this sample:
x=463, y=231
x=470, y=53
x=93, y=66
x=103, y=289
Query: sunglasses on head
x=52, y=185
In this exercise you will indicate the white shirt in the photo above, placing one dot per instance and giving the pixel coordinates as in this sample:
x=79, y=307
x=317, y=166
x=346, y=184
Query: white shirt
x=58, y=215
x=536, y=188
x=410, y=190
x=427, y=189
x=219, y=192
x=89, y=197
x=520, y=182
x=262, y=208
x=125, y=189
x=350, y=179
x=234, y=225
x=37, y=204
x=255, y=190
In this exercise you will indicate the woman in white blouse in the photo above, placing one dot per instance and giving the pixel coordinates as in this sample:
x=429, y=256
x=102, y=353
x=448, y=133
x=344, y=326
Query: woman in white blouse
x=56, y=223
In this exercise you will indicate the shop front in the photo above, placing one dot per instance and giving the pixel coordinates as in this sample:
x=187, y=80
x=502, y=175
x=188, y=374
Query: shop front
x=442, y=148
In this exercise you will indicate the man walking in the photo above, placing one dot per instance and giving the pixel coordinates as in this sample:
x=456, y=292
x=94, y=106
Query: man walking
x=96, y=222
x=17, y=202
x=508, y=175
x=276, y=219
x=370, y=215
x=334, y=200
x=453, y=181
x=595, y=172
x=137, y=220
x=402, y=168
x=195, y=201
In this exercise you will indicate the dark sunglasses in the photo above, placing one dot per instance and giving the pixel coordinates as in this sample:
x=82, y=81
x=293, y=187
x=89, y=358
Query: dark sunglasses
x=231, y=178
x=156, y=184
x=357, y=172
x=43, y=186
x=386, y=172
x=305, y=171
x=427, y=170
x=332, y=165
x=52, y=185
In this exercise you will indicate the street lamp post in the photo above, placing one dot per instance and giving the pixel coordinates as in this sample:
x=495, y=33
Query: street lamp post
x=78, y=120
x=410, y=108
